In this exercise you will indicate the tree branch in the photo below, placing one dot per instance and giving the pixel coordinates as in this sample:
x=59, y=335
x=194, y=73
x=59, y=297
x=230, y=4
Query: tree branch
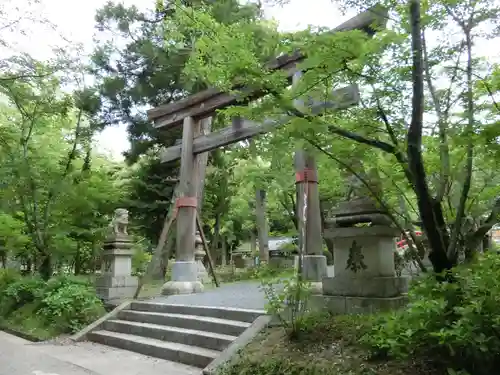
x=443, y=141
x=452, y=250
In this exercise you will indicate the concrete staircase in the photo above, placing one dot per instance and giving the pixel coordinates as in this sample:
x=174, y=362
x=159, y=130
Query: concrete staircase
x=192, y=335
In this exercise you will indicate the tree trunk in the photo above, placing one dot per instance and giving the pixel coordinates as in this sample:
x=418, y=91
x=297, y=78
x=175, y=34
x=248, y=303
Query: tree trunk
x=214, y=249
x=430, y=210
x=78, y=259
x=224, y=252
x=45, y=268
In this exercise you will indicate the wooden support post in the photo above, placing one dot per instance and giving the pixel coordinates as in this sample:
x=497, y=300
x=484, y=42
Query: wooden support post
x=260, y=213
x=207, y=251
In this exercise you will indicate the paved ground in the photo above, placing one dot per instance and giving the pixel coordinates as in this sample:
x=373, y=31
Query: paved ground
x=21, y=357
x=243, y=295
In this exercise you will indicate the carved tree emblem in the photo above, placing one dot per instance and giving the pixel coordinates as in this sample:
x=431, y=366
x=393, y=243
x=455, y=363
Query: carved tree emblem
x=355, y=262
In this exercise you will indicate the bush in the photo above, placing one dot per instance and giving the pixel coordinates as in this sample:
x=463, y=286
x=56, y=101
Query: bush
x=64, y=304
x=7, y=277
x=71, y=307
x=19, y=293
x=456, y=323
x=140, y=261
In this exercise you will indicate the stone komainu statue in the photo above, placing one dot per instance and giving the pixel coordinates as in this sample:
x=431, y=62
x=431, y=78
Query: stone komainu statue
x=119, y=222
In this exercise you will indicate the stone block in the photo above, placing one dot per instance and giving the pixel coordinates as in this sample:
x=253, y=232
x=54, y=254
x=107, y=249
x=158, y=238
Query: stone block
x=110, y=287
x=365, y=287
x=340, y=305
x=314, y=267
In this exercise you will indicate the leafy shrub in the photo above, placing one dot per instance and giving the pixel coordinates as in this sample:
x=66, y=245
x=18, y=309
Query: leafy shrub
x=455, y=322
x=289, y=248
x=62, y=281
x=287, y=301
x=71, y=307
x=7, y=277
x=21, y=292
x=140, y=261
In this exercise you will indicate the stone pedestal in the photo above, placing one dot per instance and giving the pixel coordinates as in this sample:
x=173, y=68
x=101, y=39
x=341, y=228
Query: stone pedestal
x=365, y=277
x=314, y=269
x=184, y=279
x=116, y=280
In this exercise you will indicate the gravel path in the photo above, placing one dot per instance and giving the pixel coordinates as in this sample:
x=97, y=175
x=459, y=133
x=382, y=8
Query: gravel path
x=243, y=295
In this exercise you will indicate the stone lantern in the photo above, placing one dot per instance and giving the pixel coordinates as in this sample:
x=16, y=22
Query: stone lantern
x=116, y=281
x=199, y=255
x=364, y=242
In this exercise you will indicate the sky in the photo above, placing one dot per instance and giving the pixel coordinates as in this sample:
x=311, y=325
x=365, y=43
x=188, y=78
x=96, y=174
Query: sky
x=74, y=22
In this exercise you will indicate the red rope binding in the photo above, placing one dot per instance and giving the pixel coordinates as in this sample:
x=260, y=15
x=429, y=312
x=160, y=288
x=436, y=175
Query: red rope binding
x=306, y=175
x=186, y=202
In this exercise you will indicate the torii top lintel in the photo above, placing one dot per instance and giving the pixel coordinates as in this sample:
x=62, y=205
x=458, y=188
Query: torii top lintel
x=205, y=103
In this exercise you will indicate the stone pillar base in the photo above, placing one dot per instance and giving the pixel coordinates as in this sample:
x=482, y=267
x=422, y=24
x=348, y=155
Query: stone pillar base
x=110, y=287
x=314, y=268
x=184, y=279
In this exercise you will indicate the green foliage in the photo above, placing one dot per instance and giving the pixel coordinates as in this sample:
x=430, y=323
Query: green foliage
x=21, y=292
x=229, y=274
x=63, y=304
x=140, y=260
x=289, y=248
x=288, y=301
x=70, y=307
x=453, y=321
x=7, y=277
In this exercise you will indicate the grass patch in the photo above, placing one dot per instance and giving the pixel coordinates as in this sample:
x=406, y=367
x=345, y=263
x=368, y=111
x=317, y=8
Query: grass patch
x=328, y=345
x=26, y=323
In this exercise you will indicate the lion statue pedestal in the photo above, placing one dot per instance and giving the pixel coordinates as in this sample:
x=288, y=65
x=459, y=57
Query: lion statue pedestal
x=116, y=281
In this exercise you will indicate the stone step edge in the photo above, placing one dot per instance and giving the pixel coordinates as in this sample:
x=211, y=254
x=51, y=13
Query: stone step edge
x=177, y=329
x=193, y=317
x=164, y=345
x=250, y=315
x=221, y=308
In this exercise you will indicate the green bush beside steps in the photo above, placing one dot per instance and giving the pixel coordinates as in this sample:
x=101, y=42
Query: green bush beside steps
x=42, y=310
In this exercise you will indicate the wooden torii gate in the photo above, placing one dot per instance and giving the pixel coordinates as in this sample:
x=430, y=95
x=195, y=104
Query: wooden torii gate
x=191, y=111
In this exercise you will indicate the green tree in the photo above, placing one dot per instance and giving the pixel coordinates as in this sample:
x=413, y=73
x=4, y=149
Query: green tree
x=144, y=71
x=401, y=75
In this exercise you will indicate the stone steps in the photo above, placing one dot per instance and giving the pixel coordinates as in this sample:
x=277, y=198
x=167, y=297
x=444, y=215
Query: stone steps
x=208, y=340
x=186, y=354
x=241, y=315
x=200, y=323
x=192, y=335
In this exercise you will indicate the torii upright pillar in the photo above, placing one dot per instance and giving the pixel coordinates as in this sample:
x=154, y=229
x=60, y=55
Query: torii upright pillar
x=184, y=269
